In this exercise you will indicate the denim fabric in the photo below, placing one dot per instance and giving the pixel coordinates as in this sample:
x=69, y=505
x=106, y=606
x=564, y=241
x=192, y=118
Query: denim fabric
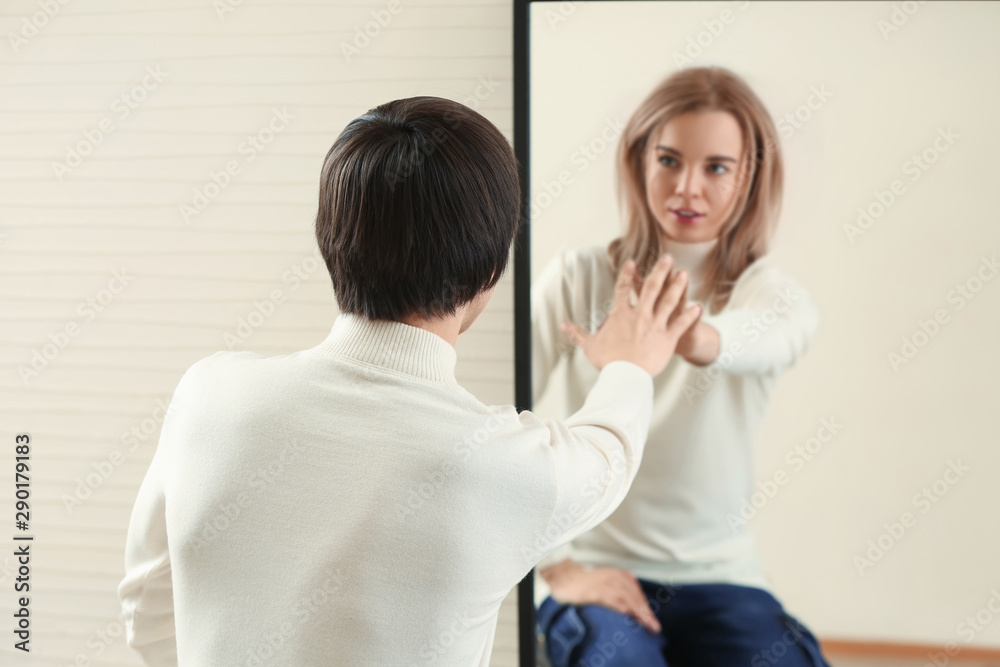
x=703, y=625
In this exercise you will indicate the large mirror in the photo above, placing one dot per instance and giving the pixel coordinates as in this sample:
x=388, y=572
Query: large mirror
x=827, y=172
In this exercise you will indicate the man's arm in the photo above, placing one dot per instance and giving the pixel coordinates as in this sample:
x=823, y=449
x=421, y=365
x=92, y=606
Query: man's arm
x=595, y=453
x=146, y=592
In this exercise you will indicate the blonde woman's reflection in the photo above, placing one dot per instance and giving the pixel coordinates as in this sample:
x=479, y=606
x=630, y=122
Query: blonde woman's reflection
x=672, y=577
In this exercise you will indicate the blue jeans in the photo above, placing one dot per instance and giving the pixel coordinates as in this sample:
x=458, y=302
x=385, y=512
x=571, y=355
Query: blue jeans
x=703, y=625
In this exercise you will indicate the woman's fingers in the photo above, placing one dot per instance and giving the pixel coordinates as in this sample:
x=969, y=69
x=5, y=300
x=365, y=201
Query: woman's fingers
x=615, y=589
x=669, y=298
x=681, y=304
x=640, y=605
x=653, y=284
x=636, y=282
x=646, y=616
x=625, y=600
x=684, y=320
x=624, y=285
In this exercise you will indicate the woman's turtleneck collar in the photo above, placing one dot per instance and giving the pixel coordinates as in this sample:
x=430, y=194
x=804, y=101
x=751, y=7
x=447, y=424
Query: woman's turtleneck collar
x=693, y=257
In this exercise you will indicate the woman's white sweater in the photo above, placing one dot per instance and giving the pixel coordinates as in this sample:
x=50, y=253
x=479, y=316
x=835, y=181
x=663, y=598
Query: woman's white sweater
x=681, y=521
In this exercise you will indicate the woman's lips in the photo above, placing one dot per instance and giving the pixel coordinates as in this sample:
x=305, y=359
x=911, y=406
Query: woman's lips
x=686, y=219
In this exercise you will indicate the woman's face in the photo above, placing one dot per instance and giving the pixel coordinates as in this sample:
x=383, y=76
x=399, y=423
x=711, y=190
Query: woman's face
x=692, y=171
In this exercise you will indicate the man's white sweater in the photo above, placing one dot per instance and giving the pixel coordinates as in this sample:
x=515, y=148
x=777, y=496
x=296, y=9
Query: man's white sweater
x=351, y=504
x=684, y=519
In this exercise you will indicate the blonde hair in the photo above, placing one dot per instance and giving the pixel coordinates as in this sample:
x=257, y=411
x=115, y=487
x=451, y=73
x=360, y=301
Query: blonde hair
x=746, y=234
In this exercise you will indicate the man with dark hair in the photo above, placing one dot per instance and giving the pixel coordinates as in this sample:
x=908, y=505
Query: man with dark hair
x=351, y=504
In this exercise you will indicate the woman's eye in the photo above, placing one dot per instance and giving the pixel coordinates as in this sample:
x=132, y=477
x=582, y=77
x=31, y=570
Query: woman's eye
x=718, y=169
x=667, y=161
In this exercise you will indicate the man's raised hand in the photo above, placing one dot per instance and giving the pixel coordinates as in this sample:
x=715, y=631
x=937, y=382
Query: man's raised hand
x=647, y=333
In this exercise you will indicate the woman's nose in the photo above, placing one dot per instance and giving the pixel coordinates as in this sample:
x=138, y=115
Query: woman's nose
x=689, y=183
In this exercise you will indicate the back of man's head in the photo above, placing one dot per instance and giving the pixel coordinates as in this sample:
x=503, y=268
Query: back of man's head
x=418, y=205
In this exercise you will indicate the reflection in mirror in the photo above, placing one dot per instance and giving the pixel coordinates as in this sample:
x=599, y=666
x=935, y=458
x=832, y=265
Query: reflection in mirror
x=795, y=466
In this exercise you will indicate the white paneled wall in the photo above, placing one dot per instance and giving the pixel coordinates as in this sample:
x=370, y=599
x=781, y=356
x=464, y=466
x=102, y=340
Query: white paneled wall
x=159, y=164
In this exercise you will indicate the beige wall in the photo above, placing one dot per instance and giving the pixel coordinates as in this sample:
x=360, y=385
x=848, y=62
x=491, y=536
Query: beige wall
x=894, y=83
x=188, y=282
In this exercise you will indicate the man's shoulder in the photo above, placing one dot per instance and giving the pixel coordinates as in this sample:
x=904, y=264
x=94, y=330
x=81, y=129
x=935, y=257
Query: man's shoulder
x=235, y=379
x=221, y=359
x=213, y=365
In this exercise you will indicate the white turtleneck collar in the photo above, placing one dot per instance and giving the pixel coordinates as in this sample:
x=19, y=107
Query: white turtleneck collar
x=395, y=346
x=693, y=257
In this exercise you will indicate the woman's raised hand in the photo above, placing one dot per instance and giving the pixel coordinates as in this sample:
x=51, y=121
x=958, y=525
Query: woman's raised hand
x=647, y=333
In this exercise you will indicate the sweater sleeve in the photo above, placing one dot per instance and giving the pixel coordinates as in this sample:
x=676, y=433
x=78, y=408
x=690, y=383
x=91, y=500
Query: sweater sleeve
x=146, y=592
x=550, y=307
x=767, y=332
x=595, y=453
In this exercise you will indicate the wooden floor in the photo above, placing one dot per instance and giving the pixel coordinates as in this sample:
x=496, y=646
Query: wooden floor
x=835, y=660
x=853, y=661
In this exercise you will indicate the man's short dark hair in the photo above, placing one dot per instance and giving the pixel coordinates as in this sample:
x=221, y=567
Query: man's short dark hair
x=419, y=202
